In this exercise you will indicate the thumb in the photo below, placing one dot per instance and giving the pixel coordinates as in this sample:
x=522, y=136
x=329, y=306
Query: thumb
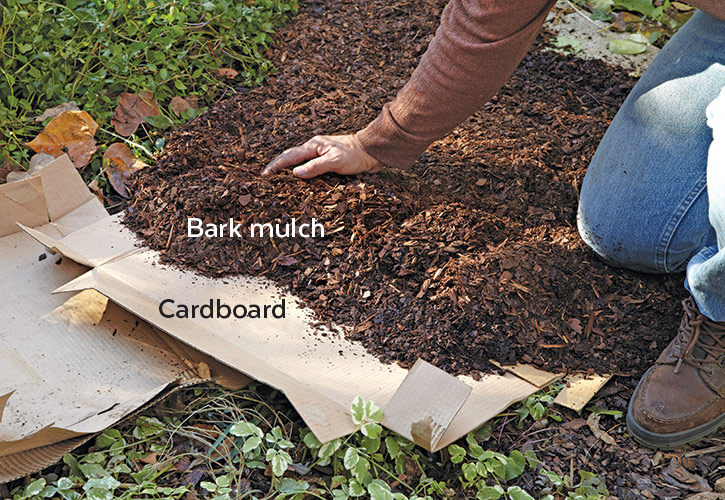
x=313, y=168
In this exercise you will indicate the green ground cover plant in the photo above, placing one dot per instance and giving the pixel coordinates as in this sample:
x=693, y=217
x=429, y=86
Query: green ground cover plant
x=226, y=445
x=91, y=51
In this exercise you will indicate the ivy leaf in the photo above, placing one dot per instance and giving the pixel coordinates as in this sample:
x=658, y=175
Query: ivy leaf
x=391, y=444
x=357, y=411
x=371, y=430
x=290, y=487
x=356, y=489
x=311, y=441
x=351, y=458
x=516, y=464
x=34, y=488
x=516, y=493
x=489, y=493
x=251, y=443
x=378, y=490
x=244, y=429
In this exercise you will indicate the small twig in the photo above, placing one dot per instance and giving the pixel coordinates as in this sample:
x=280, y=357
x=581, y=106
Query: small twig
x=135, y=144
x=578, y=11
x=705, y=451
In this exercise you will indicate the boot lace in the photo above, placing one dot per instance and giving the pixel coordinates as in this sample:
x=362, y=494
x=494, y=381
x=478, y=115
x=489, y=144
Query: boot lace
x=699, y=331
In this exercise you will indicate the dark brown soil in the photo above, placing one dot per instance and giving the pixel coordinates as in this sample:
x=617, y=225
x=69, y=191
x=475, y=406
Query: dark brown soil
x=471, y=256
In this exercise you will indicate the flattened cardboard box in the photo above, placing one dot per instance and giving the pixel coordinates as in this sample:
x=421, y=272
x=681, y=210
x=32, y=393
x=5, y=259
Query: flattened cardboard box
x=320, y=374
x=70, y=365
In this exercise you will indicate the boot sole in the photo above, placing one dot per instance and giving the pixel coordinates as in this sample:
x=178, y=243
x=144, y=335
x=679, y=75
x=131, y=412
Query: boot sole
x=670, y=441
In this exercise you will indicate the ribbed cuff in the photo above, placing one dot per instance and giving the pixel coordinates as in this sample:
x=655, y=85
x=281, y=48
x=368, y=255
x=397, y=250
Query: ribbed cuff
x=387, y=142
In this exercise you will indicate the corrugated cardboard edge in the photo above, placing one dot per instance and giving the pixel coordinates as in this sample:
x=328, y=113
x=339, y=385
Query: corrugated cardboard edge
x=580, y=389
x=28, y=462
x=31, y=461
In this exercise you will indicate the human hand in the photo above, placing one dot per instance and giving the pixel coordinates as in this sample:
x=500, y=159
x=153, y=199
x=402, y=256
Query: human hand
x=342, y=154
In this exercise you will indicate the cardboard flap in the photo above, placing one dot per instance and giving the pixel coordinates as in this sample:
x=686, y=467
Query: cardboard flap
x=55, y=245
x=22, y=201
x=91, y=424
x=3, y=401
x=533, y=375
x=579, y=389
x=425, y=404
x=28, y=462
x=64, y=189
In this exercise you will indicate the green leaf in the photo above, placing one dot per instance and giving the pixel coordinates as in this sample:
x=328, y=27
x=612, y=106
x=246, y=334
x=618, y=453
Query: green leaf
x=642, y=6
x=311, y=441
x=289, y=486
x=371, y=430
x=280, y=462
x=34, y=488
x=603, y=411
x=379, y=492
x=355, y=488
x=208, y=486
x=516, y=465
x=357, y=410
x=251, y=443
x=244, y=429
x=516, y=493
x=489, y=493
x=627, y=46
x=107, y=438
x=351, y=458
x=328, y=449
x=391, y=444
x=457, y=453
x=469, y=472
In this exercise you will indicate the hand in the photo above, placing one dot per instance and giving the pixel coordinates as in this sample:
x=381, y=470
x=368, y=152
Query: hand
x=342, y=154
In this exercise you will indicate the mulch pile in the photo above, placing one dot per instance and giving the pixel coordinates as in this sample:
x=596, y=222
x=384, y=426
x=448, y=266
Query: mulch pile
x=473, y=255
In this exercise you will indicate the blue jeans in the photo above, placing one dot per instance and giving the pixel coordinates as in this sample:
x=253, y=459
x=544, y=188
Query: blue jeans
x=651, y=200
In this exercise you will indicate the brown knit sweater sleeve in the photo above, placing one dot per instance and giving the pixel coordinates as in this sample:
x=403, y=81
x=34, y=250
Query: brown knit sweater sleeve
x=476, y=47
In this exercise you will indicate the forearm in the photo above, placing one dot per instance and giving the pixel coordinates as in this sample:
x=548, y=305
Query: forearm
x=476, y=47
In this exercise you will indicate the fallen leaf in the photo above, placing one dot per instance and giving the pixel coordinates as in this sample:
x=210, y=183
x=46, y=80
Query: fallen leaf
x=70, y=132
x=179, y=105
x=575, y=324
x=151, y=458
x=120, y=164
x=96, y=189
x=52, y=112
x=593, y=423
x=132, y=110
x=227, y=73
x=287, y=260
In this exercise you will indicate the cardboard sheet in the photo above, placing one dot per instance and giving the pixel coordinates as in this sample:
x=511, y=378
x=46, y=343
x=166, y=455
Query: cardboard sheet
x=70, y=365
x=126, y=352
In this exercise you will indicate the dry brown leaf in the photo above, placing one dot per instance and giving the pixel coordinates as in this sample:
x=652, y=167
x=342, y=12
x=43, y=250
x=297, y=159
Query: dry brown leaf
x=227, y=73
x=66, y=106
x=70, y=132
x=593, y=423
x=96, y=190
x=131, y=111
x=179, y=105
x=121, y=163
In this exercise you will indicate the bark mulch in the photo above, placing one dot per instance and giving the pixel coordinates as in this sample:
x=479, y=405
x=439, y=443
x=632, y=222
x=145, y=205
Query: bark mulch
x=472, y=255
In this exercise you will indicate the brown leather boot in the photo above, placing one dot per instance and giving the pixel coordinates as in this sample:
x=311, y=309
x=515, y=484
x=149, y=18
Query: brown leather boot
x=681, y=398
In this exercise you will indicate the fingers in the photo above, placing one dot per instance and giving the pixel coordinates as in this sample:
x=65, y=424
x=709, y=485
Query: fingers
x=313, y=168
x=293, y=156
